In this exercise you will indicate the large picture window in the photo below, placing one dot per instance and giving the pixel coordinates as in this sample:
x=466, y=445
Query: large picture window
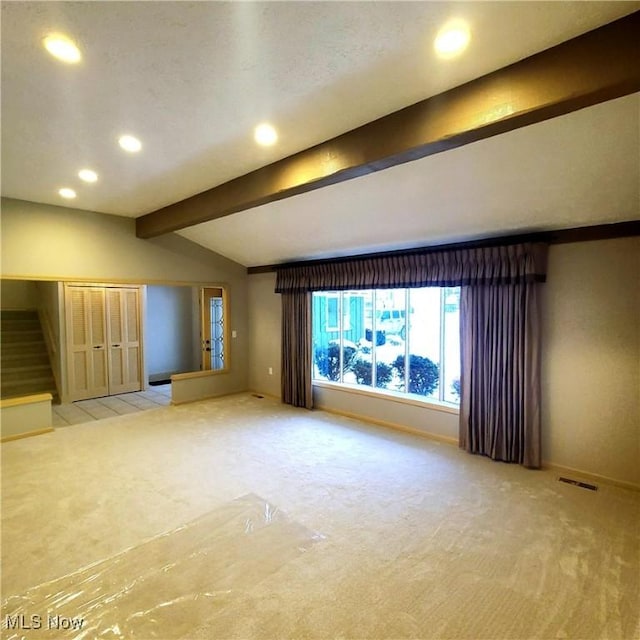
x=401, y=340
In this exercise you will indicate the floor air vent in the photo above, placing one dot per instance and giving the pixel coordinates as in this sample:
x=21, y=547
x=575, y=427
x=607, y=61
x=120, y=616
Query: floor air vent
x=256, y=395
x=577, y=483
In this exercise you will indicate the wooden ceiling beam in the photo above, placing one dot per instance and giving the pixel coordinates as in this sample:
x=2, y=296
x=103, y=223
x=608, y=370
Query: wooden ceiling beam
x=595, y=67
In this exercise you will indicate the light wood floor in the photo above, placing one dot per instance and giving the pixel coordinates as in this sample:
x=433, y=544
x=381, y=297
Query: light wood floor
x=99, y=408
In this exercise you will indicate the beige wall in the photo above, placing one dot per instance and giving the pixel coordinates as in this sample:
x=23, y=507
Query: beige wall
x=169, y=344
x=56, y=243
x=43, y=242
x=265, y=327
x=435, y=423
x=591, y=358
x=591, y=361
x=187, y=387
x=28, y=415
x=18, y=294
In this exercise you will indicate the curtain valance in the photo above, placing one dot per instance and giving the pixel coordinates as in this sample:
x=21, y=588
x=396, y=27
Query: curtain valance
x=509, y=264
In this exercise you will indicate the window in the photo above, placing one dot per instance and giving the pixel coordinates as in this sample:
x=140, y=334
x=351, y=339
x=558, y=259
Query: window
x=332, y=308
x=214, y=329
x=401, y=340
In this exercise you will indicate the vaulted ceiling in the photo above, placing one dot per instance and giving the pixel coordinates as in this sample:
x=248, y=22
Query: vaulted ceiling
x=192, y=80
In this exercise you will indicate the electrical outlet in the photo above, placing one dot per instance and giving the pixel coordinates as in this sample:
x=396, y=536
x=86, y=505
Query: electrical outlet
x=234, y=334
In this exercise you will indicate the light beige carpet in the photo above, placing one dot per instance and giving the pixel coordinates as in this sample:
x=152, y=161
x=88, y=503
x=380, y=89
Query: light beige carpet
x=242, y=518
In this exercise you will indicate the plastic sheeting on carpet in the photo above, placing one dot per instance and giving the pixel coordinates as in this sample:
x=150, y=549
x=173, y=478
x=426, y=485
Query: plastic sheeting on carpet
x=193, y=569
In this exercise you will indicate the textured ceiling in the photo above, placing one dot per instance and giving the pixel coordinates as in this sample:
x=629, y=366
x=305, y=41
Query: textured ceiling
x=193, y=79
x=576, y=170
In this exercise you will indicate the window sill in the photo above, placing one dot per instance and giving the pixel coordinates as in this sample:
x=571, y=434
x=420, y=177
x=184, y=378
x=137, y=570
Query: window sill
x=384, y=394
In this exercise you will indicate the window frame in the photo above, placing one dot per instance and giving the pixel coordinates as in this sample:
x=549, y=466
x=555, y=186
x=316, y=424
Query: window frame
x=337, y=296
x=205, y=330
x=373, y=390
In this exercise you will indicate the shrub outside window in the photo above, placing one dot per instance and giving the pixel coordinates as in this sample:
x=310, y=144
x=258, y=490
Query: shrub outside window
x=401, y=340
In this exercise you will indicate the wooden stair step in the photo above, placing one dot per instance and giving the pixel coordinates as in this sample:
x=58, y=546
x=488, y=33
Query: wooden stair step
x=27, y=387
x=19, y=325
x=19, y=360
x=21, y=335
x=27, y=314
x=26, y=370
x=17, y=345
x=24, y=362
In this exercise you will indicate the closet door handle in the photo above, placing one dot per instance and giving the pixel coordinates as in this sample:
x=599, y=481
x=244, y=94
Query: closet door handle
x=100, y=346
x=115, y=346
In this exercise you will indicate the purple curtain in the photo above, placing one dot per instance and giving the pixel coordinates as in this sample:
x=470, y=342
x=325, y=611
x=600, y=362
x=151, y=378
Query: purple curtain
x=500, y=381
x=296, y=350
x=446, y=268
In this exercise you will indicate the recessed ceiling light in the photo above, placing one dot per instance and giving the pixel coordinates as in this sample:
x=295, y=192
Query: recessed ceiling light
x=265, y=134
x=67, y=193
x=129, y=143
x=87, y=175
x=63, y=48
x=452, y=39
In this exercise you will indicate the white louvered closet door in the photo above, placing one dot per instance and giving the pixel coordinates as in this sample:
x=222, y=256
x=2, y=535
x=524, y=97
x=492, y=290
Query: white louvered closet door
x=103, y=341
x=87, y=343
x=124, y=340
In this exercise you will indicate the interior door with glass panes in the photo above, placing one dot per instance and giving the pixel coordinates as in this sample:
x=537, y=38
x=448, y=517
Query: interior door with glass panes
x=214, y=357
